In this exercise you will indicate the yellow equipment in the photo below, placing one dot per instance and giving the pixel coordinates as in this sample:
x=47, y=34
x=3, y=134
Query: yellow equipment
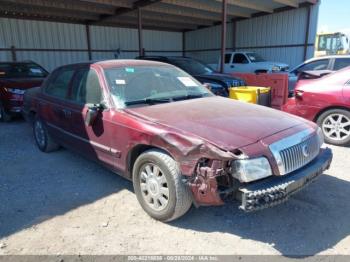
x=331, y=44
x=251, y=94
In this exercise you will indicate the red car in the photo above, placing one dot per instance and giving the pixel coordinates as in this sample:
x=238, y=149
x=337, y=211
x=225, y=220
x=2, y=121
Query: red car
x=15, y=79
x=157, y=126
x=325, y=101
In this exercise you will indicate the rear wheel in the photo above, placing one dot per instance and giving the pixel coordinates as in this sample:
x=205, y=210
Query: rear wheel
x=4, y=117
x=42, y=138
x=335, y=125
x=158, y=186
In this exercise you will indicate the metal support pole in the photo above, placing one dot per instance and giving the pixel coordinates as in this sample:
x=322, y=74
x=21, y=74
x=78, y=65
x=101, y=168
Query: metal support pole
x=88, y=41
x=139, y=16
x=306, y=43
x=223, y=35
x=13, y=53
x=183, y=43
x=234, y=30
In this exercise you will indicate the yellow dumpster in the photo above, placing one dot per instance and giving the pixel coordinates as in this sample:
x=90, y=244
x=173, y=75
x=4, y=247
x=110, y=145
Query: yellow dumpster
x=251, y=94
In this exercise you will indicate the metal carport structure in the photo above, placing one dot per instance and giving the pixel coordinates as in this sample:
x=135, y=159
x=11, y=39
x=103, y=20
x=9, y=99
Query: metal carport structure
x=161, y=26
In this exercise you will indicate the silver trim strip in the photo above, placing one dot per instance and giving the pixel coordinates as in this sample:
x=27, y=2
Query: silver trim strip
x=98, y=146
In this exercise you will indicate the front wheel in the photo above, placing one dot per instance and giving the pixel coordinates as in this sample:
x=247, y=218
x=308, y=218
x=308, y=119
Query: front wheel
x=42, y=137
x=158, y=186
x=335, y=125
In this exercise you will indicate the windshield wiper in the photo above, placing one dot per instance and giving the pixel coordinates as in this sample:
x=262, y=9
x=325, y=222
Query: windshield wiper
x=189, y=96
x=148, y=101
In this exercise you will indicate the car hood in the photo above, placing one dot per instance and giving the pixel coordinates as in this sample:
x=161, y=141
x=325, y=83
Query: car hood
x=225, y=123
x=269, y=63
x=21, y=83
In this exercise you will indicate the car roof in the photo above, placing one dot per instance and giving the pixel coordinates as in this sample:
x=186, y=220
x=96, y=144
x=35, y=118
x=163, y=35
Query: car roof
x=116, y=63
x=327, y=57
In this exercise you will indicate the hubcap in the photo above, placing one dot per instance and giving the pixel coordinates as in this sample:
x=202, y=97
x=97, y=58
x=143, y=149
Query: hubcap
x=154, y=187
x=336, y=127
x=39, y=133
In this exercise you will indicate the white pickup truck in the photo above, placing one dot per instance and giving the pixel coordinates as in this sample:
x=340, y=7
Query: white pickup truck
x=249, y=62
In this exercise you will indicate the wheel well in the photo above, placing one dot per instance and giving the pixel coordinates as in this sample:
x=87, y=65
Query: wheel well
x=31, y=116
x=135, y=152
x=330, y=108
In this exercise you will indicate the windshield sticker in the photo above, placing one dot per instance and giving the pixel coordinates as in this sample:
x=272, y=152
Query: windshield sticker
x=130, y=70
x=120, y=81
x=35, y=71
x=187, y=81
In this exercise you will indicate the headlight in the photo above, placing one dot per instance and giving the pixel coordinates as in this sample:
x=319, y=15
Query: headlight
x=320, y=136
x=248, y=170
x=15, y=91
x=276, y=68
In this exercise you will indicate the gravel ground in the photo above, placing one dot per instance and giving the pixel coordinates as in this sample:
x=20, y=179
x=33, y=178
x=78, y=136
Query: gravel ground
x=59, y=203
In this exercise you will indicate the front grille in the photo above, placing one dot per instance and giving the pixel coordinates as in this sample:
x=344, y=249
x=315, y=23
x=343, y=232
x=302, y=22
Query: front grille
x=299, y=155
x=296, y=151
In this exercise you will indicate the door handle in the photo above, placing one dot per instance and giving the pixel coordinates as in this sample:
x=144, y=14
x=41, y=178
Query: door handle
x=232, y=66
x=67, y=113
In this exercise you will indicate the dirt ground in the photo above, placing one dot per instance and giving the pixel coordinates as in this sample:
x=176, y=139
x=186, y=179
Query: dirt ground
x=59, y=203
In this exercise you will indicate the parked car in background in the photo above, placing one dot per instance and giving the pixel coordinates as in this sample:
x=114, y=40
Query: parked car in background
x=249, y=62
x=325, y=101
x=15, y=79
x=159, y=127
x=219, y=83
x=331, y=63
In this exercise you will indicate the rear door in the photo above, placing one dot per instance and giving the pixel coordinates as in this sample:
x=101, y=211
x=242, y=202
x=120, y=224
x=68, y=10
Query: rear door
x=52, y=103
x=93, y=141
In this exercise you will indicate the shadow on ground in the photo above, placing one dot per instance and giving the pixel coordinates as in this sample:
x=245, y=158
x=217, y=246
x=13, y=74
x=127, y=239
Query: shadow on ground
x=313, y=220
x=35, y=186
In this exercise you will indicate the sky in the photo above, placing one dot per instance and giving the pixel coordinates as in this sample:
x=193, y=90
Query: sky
x=334, y=16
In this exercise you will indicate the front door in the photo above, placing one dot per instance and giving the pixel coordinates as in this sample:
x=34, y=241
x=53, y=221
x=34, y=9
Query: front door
x=93, y=141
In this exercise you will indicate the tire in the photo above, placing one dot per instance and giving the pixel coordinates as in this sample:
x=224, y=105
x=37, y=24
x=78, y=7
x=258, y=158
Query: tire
x=42, y=137
x=4, y=117
x=179, y=197
x=335, y=132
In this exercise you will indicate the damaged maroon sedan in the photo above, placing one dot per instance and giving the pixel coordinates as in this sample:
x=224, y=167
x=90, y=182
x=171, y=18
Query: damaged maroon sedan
x=180, y=145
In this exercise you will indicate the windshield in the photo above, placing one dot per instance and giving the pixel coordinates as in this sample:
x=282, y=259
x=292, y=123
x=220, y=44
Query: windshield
x=21, y=70
x=193, y=67
x=151, y=85
x=255, y=57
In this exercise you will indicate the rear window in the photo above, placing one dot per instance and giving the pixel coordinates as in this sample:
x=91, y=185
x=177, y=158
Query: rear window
x=341, y=63
x=21, y=70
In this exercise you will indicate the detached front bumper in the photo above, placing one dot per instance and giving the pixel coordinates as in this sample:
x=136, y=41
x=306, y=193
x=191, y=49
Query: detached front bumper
x=275, y=190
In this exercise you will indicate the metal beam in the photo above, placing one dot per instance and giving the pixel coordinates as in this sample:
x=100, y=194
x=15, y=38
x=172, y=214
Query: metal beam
x=223, y=35
x=27, y=11
x=135, y=6
x=88, y=41
x=181, y=12
x=63, y=4
x=248, y=5
x=203, y=6
x=147, y=15
x=139, y=27
x=292, y=3
x=112, y=3
x=307, y=32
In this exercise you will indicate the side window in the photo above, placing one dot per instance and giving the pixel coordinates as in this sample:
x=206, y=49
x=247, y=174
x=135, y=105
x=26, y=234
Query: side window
x=228, y=58
x=86, y=87
x=341, y=63
x=315, y=65
x=240, y=59
x=60, y=84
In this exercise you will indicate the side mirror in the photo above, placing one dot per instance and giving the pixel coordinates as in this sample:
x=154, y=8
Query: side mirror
x=92, y=113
